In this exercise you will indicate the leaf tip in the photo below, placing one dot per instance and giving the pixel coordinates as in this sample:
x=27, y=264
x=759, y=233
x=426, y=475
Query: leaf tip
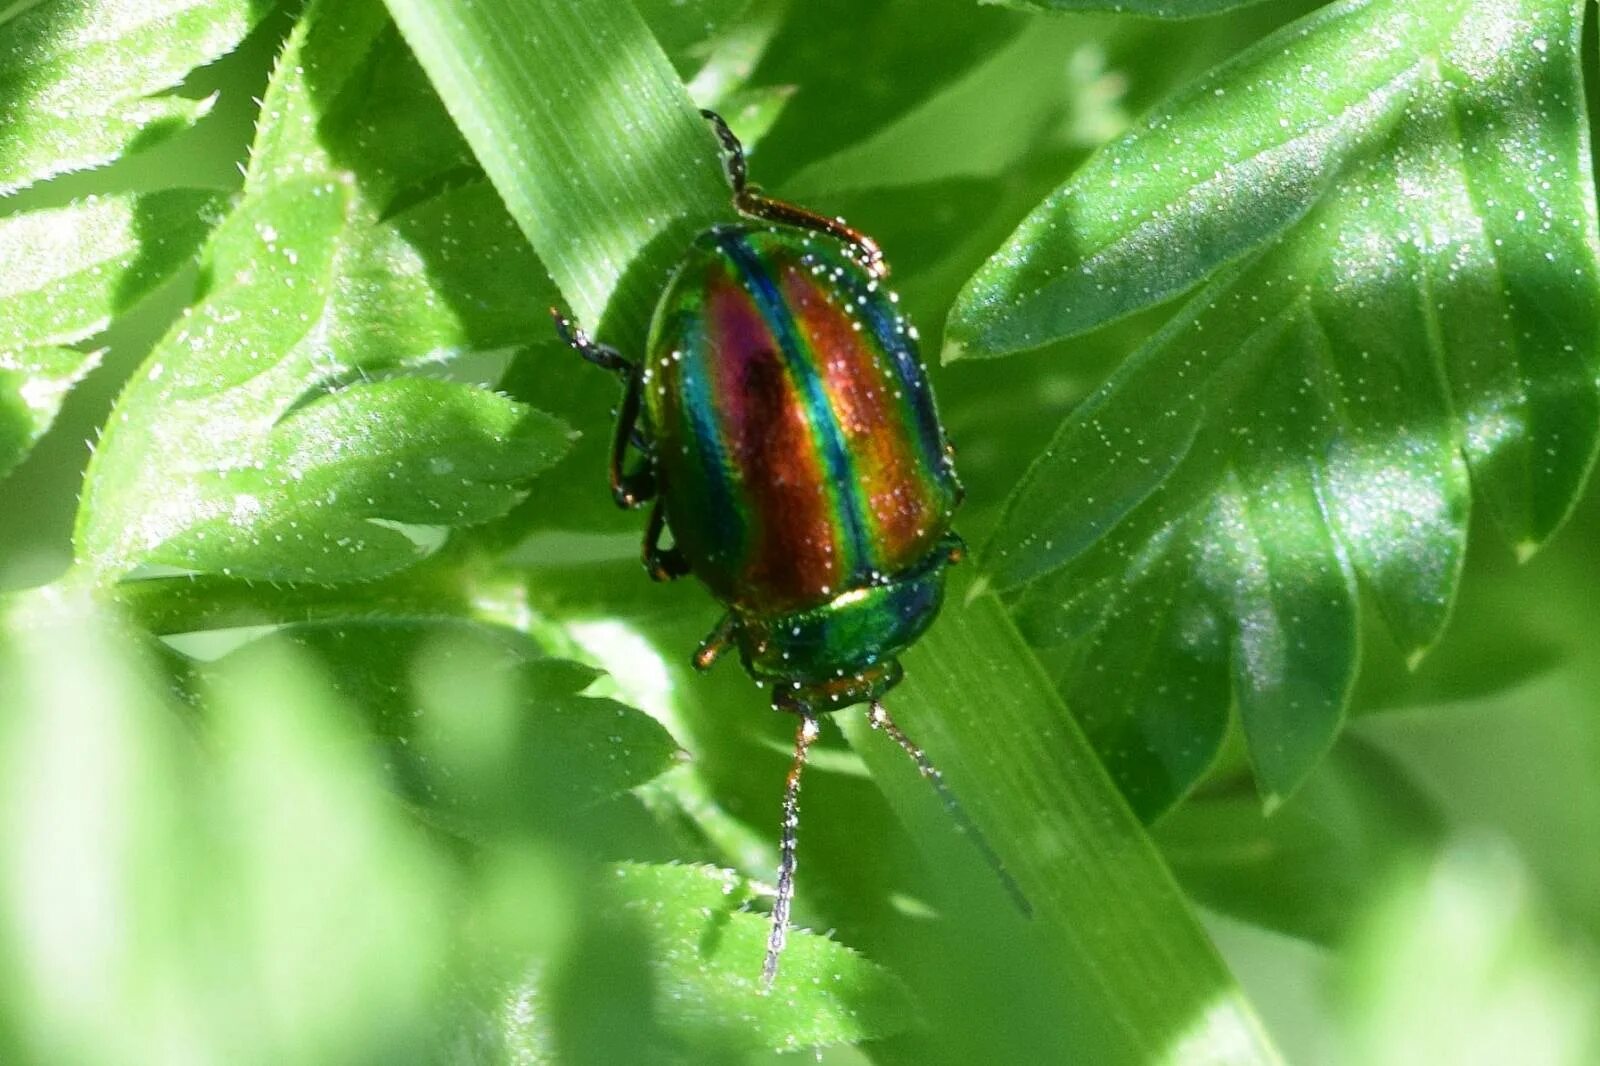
x=1525, y=550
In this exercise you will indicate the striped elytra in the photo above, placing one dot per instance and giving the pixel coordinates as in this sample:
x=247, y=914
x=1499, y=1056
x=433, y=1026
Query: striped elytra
x=799, y=458
x=797, y=449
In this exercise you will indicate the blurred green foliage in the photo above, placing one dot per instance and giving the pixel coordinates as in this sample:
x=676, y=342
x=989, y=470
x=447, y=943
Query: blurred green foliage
x=338, y=724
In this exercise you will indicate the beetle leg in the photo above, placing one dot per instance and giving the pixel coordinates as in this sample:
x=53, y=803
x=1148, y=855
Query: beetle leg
x=804, y=737
x=717, y=641
x=629, y=488
x=601, y=355
x=878, y=718
x=750, y=200
x=955, y=548
x=664, y=564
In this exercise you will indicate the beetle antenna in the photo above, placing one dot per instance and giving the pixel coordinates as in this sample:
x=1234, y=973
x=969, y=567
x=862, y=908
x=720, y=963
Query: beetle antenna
x=878, y=718
x=791, y=825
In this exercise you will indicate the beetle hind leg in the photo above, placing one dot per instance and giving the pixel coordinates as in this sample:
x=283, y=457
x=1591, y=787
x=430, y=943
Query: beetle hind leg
x=664, y=564
x=751, y=201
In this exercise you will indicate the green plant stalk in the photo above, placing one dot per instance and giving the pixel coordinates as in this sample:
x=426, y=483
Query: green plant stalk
x=1142, y=982
x=577, y=117
x=609, y=176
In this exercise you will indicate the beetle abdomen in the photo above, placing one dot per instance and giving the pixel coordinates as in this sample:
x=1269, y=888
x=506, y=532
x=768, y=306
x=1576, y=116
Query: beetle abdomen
x=797, y=444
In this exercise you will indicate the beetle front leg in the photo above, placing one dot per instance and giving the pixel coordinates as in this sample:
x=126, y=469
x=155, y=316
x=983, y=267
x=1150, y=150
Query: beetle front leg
x=751, y=201
x=601, y=355
x=664, y=564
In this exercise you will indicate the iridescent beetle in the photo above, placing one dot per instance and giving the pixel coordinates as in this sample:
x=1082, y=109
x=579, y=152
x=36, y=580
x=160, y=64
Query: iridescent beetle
x=791, y=446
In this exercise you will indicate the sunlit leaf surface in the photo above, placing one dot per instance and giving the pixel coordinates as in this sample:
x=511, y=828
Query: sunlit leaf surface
x=83, y=81
x=707, y=949
x=265, y=436
x=1389, y=205
x=64, y=274
x=33, y=384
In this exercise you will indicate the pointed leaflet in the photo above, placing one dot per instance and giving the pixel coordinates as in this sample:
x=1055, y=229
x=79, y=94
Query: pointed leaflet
x=478, y=726
x=1308, y=870
x=688, y=30
x=33, y=384
x=64, y=273
x=347, y=97
x=706, y=952
x=82, y=81
x=1405, y=189
x=264, y=437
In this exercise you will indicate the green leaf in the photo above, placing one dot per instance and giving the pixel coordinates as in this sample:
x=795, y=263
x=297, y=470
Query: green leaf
x=1403, y=193
x=706, y=952
x=995, y=111
x=1166, y=9
x=64, y=274
x=734, y=39
x=438, y=266
x=450, y=276
x=479, y=728
x=577, y=117
x=1311, y=868
x=348, y=98
x=265, y=437
x=1517, y=759
x=855, y=68
x=1104, y=905
x=33, y=384
x=687, y=30
x=82, y=81
x=236, y=449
